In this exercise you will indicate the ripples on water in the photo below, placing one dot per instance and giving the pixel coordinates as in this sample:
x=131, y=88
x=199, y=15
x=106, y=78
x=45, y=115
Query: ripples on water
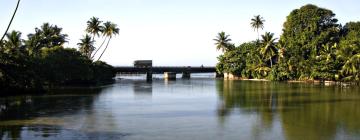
x=199, y=108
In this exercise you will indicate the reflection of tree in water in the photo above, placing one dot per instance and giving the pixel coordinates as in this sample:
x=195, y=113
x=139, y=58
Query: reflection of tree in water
x=248, y=99
x=305, y=110
x=16, y=112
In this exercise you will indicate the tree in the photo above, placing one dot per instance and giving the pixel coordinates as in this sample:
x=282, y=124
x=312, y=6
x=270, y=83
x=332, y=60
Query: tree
x=268, y=49
x=305, y=32
x=110, y=30
x=348, y=52
x=244, y=61
x=94, y=27
x=62, y=66
x=351, y=68
x=86, y=46
x=13, y=39
x=222, y=42
x=13, y=45
x=15, y=70
x=12, y=18
x=46, y=36
x=350, y=41
x=42, y=62
x=257, y=22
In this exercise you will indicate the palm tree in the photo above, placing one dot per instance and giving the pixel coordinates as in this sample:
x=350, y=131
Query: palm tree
x=14, y=39
x=86, y=46
x=13, y=44
x=222, y=42
x=47, y=36
x=256, y=23
x=94, y=27
x=281, y=50
x=110, y=29
x=268, y=42
x=351, y=68
x=12, y=18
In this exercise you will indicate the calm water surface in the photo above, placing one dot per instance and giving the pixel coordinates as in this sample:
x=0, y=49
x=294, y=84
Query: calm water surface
x=201, y=108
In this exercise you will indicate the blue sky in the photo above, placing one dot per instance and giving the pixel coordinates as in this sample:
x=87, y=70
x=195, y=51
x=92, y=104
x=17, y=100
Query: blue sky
x=170, y=32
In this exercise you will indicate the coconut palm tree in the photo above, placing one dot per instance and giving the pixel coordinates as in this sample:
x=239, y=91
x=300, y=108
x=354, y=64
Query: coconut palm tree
x=256, y=23
x=13, y=44
x=110, y=29
x=351, y=68
x=14, y=39
x=268, y=49
x=47, y=36
x=222, y=42
x=12, y=18
x=94, y=27
x=281, y=50
x=86, y=46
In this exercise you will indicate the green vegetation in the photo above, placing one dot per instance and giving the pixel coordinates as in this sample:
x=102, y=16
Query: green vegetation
x=108, y=30
x=313, y=111
x=41, y=61
x=223, y=42
x=313, y=46
x=256, y=23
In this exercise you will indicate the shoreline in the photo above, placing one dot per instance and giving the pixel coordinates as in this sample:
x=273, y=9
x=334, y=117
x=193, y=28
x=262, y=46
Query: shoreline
x=325, y=82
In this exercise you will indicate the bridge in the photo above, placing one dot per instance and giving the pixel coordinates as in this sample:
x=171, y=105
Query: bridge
x=169, y=71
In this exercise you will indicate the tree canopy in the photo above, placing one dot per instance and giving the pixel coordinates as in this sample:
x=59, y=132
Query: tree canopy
x=41, y=61
x=313, y=46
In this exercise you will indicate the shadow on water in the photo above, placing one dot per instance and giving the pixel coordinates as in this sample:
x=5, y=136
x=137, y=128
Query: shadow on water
x=33, y=117
x=304, y=111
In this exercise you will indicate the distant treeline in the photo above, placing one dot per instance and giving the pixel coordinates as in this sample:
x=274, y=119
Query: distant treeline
x=41, y=61
x=313, y=46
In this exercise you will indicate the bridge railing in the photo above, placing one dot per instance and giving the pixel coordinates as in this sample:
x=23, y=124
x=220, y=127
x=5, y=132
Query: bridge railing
x=161, y=69
x=167, y=67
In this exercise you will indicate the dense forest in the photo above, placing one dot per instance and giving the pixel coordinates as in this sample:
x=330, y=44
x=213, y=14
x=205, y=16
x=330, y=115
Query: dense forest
x=41, y=61
x=312, y=46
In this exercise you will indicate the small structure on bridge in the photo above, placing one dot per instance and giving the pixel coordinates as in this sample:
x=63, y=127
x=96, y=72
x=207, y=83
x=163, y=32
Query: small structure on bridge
x=143, y=63
x=147, y=64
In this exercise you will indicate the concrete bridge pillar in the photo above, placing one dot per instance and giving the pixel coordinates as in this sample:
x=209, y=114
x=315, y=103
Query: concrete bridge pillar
x=186, y=75
x=170, y=75
x=149, y=76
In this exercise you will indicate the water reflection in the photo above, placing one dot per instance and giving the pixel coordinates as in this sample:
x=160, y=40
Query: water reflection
x=185, y=109
x=31, y=117
x=143, y=89
x=304, y=111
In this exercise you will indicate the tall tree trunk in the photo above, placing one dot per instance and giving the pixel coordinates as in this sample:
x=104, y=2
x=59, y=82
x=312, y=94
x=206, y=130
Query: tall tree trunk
x=104, y=49
x=271, y=63
x=99, y=48
x=12, y=18
x=90, y=52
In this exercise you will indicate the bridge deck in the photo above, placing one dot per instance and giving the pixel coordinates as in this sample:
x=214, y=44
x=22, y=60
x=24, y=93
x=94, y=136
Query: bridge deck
x=162, y=69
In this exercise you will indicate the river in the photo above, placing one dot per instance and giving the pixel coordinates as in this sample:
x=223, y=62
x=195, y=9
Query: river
x=199, y=108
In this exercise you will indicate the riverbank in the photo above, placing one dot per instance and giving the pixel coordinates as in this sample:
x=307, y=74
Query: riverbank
x=5, y=92
x=228, y=76
x=326, y=83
